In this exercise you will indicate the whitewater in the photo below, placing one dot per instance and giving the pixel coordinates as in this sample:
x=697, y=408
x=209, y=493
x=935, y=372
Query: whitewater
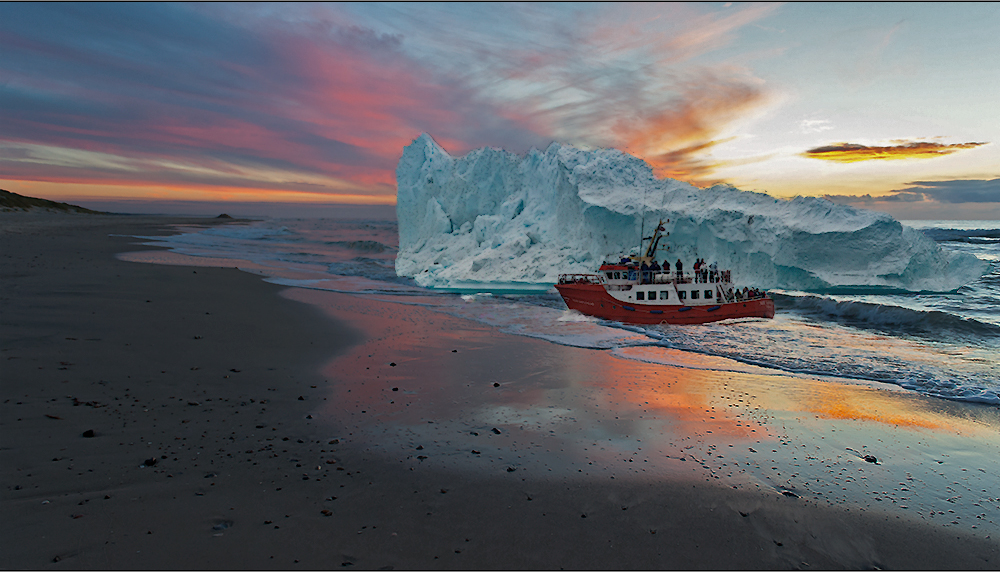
x=487, y=255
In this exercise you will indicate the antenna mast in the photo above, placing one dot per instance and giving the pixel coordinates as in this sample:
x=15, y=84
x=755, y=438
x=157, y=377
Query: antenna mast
x=642, y=224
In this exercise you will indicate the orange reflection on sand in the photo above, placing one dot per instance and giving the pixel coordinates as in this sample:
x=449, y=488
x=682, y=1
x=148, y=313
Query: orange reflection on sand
x=688, y=398
x=689, y=395
x=865, y=404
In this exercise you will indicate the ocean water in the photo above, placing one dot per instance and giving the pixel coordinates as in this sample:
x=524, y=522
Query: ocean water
x=941, y=344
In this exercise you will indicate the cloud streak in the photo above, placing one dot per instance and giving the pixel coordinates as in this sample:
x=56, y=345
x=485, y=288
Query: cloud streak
x=854, y=152
x=165, y=94
x=317, y=99
x=951, y=192
x=960, y=191
x=674, y=136
x=322, y=98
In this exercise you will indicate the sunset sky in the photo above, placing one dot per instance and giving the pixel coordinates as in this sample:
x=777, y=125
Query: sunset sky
x=889, y=106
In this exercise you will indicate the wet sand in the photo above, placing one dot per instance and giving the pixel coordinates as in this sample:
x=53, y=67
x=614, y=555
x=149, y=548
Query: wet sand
x=287, y=437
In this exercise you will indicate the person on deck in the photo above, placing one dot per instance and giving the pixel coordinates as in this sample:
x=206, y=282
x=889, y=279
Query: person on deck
x=713, y=271
x=644, y=277
x=680, y=270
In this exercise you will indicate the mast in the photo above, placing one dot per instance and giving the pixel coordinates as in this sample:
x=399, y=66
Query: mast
x=642, y=227
x=654, y=242
x=642, y=223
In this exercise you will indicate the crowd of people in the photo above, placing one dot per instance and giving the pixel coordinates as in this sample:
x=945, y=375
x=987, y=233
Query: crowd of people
x=703, y=272
x=746, y=294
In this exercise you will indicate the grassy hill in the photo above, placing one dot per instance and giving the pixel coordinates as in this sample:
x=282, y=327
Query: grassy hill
x=12, y=201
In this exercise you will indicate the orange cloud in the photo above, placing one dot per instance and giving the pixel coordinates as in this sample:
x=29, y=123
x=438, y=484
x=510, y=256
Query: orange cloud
x=687, y=163
x=310, y=111
x=675, y=139
x=853, y=152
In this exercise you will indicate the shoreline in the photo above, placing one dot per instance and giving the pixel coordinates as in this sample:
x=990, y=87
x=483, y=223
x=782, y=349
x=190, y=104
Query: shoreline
x=250, y=461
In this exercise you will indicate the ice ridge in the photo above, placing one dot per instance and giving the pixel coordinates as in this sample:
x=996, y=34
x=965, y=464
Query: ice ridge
x=492, y=216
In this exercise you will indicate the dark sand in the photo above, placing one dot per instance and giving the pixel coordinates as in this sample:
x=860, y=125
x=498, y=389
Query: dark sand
x=227, y=385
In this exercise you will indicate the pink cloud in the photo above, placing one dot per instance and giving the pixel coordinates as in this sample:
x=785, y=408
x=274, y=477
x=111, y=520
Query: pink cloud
x=312, y=96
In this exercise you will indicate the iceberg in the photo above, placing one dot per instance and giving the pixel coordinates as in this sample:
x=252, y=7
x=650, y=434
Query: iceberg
x=492, y=216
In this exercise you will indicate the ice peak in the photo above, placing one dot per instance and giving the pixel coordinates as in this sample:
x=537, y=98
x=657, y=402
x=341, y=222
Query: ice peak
x=427, y=142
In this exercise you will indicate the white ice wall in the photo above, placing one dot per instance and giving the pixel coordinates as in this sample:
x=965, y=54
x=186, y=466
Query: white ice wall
x=492, y=216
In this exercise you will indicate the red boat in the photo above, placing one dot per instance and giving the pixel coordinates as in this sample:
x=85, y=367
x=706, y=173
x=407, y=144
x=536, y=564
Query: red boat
x=636, y=291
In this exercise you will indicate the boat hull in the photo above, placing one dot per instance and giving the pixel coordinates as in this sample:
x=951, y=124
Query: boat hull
x=593, y=300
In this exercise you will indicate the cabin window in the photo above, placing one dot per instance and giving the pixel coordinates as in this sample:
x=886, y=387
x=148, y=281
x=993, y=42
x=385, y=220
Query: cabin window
x=664, y=294
x=640, y=295
x=617, y=276
x=652, y=294
x=694, y=294
x=708, y=293
x=611, y=275
x=682, y=294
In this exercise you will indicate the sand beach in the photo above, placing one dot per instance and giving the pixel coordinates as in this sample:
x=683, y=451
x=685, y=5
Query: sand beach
x=196, y=417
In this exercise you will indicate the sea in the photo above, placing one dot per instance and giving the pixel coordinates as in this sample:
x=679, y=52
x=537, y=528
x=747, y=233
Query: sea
x=940, y=344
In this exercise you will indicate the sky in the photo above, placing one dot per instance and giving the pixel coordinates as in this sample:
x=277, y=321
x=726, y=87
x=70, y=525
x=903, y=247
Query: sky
x=889, y=106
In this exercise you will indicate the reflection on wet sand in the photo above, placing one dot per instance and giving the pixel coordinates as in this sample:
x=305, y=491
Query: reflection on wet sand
x=443, y=392
x=876, y=406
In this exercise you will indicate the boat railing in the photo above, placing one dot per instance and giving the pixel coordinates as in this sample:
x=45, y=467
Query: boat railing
x=655, y=277
x=747, y=294
x=579, y=279
x=711, y=277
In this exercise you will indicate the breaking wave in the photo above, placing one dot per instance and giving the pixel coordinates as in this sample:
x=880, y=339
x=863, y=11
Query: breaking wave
x=930, y=324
